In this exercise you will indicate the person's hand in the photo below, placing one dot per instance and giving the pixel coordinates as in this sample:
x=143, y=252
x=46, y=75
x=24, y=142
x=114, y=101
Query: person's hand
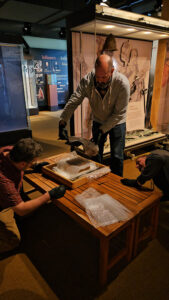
x=130, y=182
x=63, y=135
x=37, y=168
x=57, y=192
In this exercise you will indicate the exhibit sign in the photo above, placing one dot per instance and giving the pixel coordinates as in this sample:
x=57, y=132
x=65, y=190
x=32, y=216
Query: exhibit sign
x=50, y=62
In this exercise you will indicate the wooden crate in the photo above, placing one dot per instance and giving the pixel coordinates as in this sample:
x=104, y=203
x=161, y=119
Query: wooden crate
x=47, y=170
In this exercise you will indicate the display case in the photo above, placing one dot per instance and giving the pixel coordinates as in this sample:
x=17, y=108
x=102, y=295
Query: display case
x=135, y=39
x=30, y=86
x=14, y=119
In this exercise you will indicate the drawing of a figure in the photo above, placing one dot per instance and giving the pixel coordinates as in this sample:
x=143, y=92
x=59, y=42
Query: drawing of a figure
x=125, y=53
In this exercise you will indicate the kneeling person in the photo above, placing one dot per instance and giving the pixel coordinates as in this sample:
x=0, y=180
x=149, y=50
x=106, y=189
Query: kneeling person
x=153, y=166
x=13, y=163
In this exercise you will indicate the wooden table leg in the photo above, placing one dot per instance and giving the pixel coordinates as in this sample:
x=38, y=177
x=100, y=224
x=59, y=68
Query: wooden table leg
x=154, y=221
x=130, y=239
x=136, y=239
x=104, y=253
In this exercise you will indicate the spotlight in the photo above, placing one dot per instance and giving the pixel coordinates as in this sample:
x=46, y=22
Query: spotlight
x=27, y=29
x=103, y=2
x=62, y=33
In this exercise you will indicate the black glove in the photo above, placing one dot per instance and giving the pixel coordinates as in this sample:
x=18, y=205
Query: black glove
x=97, y=136
x=63, y=135
x=37, y=168
x=75, y=143
x=130, y=182
x=57, y=192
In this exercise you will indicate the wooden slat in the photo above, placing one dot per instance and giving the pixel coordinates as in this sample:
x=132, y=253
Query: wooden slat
x=115, y=180
x=38, y=182
x=129, y=190
x=51, y=183
x=123, y=194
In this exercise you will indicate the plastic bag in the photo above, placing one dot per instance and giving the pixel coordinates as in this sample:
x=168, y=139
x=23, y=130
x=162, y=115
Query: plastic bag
x=74, y=166
x=102, y=209
x=98, y=173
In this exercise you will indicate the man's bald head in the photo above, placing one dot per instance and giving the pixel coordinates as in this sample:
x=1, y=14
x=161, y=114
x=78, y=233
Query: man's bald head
x=104, y=62
x=103, y=73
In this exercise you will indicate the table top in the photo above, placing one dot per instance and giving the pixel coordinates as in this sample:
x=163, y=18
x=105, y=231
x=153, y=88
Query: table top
x=135, y=200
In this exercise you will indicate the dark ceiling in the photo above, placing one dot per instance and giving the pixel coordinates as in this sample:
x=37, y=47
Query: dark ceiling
x=47, y=18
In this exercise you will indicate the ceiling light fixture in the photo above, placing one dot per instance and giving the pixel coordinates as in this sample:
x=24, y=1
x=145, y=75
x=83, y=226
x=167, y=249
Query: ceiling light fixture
x=104, y=2
x=147, y=32
x=130, y=29
x=109, y=26
x=130, y=16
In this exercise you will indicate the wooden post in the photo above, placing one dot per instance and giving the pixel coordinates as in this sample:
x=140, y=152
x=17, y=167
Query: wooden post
x=159, y=70
x=104, y=253
x=158, y=82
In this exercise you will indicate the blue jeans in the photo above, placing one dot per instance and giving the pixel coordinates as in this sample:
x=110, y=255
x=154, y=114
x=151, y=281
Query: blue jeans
x=117, y=144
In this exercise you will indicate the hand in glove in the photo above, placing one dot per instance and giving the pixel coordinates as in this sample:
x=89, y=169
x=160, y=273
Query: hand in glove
x=63, y=135
x=37, y=168
x=97, y=136
x=131, y=182
x=57, y=192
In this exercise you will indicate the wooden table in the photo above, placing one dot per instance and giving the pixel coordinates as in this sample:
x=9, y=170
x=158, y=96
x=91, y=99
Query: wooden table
x=138, y=202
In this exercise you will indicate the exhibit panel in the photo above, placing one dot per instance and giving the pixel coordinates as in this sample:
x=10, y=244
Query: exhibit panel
x=47, y=73
x=51, y=77
x=83, y=54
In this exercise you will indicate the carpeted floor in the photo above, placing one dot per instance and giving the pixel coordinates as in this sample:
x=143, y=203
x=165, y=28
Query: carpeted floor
x=59, y=259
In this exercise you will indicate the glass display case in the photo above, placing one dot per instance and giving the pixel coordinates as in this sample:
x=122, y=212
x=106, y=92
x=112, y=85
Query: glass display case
x=13, y=112
x=132, y=42
x=29, y=86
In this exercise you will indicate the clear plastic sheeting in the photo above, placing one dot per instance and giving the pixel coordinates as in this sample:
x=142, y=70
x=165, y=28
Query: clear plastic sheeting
x=74, y=166
x=102, y=209
x=98, y=173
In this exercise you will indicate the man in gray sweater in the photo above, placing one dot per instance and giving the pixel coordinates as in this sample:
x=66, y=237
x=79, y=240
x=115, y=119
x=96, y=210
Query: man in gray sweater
x=108, y=92
x=153, y=166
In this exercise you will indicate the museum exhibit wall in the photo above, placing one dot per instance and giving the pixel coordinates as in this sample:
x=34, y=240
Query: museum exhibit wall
x=46, y=73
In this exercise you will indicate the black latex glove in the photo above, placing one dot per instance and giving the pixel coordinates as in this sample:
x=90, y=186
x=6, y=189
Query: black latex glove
x=63, y=135
x=37, y=168
x=57, y=192
x=75, y=143
x=130, y=182
x=98, y=136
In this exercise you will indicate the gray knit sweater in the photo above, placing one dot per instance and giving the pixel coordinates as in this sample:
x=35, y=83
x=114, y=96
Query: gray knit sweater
x=109, y=111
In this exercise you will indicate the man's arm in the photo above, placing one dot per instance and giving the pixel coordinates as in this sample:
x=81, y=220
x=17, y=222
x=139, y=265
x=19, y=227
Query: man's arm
x=24, y=208
x=75, y=100
x=131, y=182
x=120, y=108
